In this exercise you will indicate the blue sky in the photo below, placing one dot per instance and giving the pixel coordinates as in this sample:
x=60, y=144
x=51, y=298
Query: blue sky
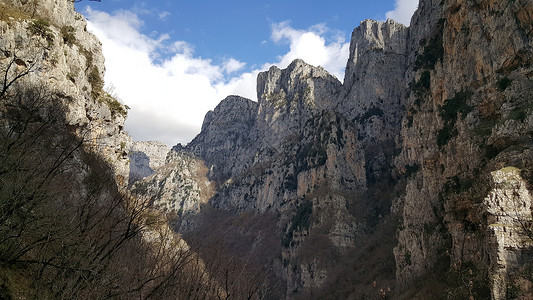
x=172, y=61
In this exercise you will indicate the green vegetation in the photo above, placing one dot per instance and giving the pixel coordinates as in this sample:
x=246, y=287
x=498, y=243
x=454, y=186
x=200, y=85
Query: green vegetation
x=41, y=28
x=302, y=218
x=67, y=32
x=96, y=82
x=518, y=113
x=114, y=105
x=299, y=222
x=278, y=99
x=410, y=170
x=421, y=86
x=457, y=185
x=444, y=135
x=449, y=113
x=503, y=83
x=88, y=56
x=433, y=49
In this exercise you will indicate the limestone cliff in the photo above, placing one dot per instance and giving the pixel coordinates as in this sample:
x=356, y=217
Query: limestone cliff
x=68, y=227
x=145, y=158
x=180, y=185
x=468, y=114
x=374, y=83
x=50, y=43
x=228, y=139
x=414, y=176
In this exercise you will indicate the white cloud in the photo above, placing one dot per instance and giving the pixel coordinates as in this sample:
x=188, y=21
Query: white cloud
x=403, y=11
x=232, y=65
x=170, y=96
x=311, y=46
x=168, y=99
x=164, y=15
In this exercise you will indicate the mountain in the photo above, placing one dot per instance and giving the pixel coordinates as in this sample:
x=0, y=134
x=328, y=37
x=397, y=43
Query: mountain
x=69, y=228
x=410, y=180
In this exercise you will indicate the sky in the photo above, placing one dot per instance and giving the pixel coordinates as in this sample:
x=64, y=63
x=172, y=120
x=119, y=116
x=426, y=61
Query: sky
x=173, y=61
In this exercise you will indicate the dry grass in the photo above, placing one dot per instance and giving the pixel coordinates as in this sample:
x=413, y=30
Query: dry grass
x=8, y=13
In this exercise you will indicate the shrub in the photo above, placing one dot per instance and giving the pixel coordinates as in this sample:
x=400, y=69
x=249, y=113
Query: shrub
x=411, y=170
x=303, y=214
x=88, y=56
x=114, y=105
x=67, y=32
x=433, y=50
x=422, y=85
x=96, y=82
x=455, y=105
x=504, y=83
x=41, y=28
x=300, y=221
x=449, y=112
x=518, y=113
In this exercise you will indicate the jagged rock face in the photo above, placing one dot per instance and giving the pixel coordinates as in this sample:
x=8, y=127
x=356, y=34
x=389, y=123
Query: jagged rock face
x=468, y=113
x=272, y=156
x=288, y=98
x=58, y=12
x=180, y=185
x=374, y=84
x=68, y=60
x=145, y=158
x=428, y=112
x=374, y=89
x=508, y=207
x=326, y=152
x=228, y=139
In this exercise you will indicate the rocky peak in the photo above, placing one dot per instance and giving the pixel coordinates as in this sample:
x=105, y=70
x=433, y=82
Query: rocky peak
x=299, y=82
x=374, y=83
x=227, y=137
x=230, y=111
x=371, y=35
x=287, y=98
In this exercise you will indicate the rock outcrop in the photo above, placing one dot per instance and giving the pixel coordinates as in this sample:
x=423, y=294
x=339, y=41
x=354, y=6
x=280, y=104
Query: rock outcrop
x=508, y=207
x=414, y=158
x=374, y=83
x=288, y=98
x=468, y=114
x=145, y=158
x=180, y=185
x=49, y=41
x=228, y=140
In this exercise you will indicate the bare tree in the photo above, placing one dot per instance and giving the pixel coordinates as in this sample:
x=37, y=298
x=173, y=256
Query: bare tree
x=16, y=68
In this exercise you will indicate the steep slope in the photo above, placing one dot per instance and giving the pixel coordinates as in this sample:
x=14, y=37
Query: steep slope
x=145, y=158
x=468, y=115
x=373, y=93
x=68, y=227
x=48, y=44
x=412, y=179
x=228, y=140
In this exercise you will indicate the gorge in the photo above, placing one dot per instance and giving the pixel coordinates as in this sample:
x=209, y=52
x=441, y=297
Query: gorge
x=412, y=179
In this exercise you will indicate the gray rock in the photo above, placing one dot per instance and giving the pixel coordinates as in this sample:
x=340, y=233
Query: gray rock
x=73, y=69
x=145, y=158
